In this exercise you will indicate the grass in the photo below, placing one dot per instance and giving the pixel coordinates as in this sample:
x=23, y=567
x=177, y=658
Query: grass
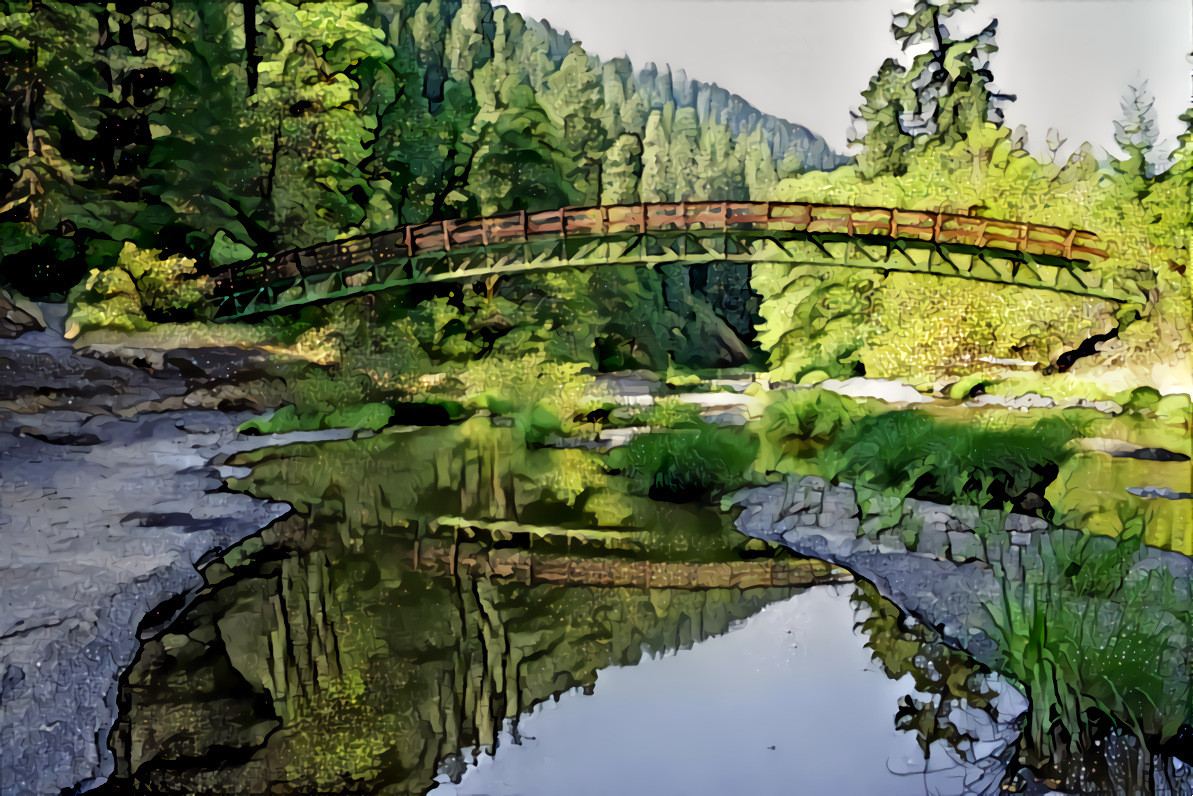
x=988, y=464
x=1095, y=644
x=685, y=465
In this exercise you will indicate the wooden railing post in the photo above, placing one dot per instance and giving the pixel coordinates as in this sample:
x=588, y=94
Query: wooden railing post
x=1023, y=233
x=563, y=223
x=447, y=241
x=525, y=227
x=939, y=224
x=894, y=226
x=604, y=220
x=485, y=232
x=409, y=240
x=1072, y=236
x=642, y=207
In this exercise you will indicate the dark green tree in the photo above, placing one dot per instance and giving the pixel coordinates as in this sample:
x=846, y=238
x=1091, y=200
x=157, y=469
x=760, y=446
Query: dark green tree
x=951, y=83
x=878, y=126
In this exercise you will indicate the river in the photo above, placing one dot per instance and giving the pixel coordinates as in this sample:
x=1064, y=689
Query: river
x=449, y=610
x=446, y=609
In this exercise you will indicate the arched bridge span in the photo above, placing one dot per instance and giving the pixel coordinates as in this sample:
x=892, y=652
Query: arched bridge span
x=844, y=236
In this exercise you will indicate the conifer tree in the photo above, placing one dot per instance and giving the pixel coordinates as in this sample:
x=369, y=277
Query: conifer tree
x=656, y=183
x=573, y=99
x=884, y=144
x=1136, y=133
x=951, y=82
x=622, y=171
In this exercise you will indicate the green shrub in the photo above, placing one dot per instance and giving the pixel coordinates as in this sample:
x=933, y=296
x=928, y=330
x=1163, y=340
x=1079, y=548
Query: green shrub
x=106, y=300
x=169, y=287
x=985, y=464
x=685, y=465
x=666, y=412
x=809, y=414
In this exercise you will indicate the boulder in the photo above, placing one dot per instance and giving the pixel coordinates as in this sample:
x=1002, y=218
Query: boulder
x=17, y=317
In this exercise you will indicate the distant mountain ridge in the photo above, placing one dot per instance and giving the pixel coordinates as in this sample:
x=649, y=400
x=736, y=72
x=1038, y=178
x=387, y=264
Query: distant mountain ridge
x=711, y=102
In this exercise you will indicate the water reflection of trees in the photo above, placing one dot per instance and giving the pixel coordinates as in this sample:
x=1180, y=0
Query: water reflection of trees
x=336, y=653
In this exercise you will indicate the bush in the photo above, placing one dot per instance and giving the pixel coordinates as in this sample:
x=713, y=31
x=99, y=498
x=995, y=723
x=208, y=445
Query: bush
x=106, y=300
x=169, y=287
x=809, y=414
x=685, y=465
x=665, y=412
x=989, y=465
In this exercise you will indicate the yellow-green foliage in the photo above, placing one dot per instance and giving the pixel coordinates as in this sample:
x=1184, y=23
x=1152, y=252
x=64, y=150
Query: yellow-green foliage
x=924, y=329
x=106, y=299
x=516, y=384
x=811, y=322
x=143, y=287
x=167, y=285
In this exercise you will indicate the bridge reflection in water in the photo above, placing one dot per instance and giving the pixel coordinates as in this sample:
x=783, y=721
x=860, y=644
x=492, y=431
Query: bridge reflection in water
x=693, y=233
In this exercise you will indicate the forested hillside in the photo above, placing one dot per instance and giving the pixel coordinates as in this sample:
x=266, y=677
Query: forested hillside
x=220, y=130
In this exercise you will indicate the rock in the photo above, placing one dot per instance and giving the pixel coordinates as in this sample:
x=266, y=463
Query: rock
x=18, y=317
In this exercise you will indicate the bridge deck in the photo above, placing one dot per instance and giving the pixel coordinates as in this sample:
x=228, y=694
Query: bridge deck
x=463, y=249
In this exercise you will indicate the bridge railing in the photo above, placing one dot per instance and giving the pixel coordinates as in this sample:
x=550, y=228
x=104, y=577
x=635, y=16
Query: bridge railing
x=937, y=228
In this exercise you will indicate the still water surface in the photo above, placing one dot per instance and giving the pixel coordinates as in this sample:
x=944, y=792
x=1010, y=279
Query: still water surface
x=448, y=609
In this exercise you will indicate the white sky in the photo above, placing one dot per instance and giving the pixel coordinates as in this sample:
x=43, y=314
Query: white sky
x=1069, y=61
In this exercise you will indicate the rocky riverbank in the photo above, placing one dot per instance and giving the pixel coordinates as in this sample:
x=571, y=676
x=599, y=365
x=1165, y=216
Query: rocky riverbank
x=956, y=568
x=108, y=504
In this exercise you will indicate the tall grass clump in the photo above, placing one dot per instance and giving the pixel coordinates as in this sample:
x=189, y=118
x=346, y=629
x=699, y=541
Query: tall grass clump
x=1099, y=645
x=688, y=464
x=988, y=464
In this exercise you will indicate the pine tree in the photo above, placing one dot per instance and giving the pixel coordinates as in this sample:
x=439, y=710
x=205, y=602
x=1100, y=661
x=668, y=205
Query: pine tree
x=465, y=46
x=688, y=180
x=573, y=100
x=622, y=172
x=884, y=145
x=656, y=184
x=516, y=163
x=758, y=165
x=951, y=82
x=1136, y=133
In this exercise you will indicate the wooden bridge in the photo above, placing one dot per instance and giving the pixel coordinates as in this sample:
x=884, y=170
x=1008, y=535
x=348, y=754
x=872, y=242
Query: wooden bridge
x=843, y=236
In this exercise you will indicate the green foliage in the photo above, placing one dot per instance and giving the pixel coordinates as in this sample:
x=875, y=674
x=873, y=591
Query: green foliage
x=369, y=416
x=987, y=464
x=686, y=465
x=884, y=144
x=809, y=414
x=665, y=412
x=106, y=299
x=1092, y=641
x=951, y=82
x=168, y=286
x=813, y=323
x=883, y=325
x=220, y=130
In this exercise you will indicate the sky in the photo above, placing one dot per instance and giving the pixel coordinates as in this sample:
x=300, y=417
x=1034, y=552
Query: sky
x=1068, y=61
